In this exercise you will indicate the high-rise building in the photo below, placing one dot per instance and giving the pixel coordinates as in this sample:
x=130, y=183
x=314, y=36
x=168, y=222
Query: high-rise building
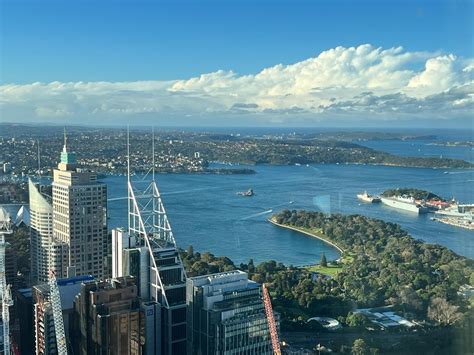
x=44, y=329
x=108, y=318
x=226, y=315
x=79, y=217
x=41, y=230
x=23, y=306
x=164, y=303
x=24, y=313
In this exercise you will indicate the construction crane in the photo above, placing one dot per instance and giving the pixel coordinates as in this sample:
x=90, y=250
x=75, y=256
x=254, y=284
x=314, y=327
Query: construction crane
x=5, y=293
x=271, y=321
x=7, y=302
x=57, y=314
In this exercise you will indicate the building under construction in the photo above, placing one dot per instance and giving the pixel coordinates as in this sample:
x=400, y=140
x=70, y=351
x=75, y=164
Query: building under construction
x=44, y=326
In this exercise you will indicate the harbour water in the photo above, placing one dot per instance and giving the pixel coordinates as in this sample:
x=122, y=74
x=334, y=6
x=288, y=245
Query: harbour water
x=205, y=212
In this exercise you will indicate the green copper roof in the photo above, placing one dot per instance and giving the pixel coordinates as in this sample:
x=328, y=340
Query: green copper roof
x=68, y=157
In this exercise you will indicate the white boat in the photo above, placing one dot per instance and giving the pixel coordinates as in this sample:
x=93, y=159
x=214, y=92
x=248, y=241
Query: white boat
x=368, y=198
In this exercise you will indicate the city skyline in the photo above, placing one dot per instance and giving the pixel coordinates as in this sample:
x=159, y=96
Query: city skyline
x=392, y=64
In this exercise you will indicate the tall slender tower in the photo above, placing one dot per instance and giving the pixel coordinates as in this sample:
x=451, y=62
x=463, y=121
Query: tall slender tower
x=148, y=251
x=41, y=229
x=79, y=217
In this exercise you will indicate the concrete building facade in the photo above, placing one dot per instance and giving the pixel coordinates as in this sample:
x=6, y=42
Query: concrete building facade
x=108, y=318
x=79, y=217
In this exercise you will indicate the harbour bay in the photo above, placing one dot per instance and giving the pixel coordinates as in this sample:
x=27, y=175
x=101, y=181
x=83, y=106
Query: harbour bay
x=205, y=211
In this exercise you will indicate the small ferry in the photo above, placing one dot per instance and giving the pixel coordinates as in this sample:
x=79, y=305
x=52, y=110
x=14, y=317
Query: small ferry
x=248, y=193
x=365, y=197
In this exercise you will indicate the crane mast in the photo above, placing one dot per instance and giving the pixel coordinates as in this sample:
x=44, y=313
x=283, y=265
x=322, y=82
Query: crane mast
x=57, y=314
x=7, y=301
x=271, y=321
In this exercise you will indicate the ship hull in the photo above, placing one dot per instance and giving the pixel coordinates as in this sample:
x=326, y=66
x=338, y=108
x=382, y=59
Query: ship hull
x=405, y=206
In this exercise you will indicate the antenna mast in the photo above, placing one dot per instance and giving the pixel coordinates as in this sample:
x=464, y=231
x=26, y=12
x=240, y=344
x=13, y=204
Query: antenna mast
x=128, y=173
x=39, y=161
x=153, y=152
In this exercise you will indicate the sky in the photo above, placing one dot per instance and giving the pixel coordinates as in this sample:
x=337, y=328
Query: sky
x=238, y=63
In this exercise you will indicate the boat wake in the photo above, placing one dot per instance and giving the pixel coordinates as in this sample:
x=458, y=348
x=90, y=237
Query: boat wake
x=257, y=214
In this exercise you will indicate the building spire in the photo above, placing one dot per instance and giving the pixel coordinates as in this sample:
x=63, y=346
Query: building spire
x=65, y=140
x=68, y=159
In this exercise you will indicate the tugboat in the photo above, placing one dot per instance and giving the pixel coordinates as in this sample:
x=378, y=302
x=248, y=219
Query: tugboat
x=248, y=193
x=368, y=198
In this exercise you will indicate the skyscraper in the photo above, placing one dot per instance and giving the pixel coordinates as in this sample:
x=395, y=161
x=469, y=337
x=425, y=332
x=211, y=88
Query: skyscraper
x=226, y=315
x=148, y=251
x=108, y=319
x=79, y=217
x=41, y=229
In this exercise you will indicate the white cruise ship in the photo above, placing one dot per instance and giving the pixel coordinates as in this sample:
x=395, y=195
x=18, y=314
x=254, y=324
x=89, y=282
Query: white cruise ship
x=404, y=203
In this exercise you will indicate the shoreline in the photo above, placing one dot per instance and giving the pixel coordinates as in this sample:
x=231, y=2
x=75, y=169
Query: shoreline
x=338, y=248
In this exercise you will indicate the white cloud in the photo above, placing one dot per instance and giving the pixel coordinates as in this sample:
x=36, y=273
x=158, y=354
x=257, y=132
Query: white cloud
x=351, y=81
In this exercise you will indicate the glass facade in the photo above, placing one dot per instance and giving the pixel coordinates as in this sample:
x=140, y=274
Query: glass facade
x=226, y=315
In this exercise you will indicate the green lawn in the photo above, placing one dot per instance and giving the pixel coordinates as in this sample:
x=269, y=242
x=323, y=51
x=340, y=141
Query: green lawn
x=328, y=270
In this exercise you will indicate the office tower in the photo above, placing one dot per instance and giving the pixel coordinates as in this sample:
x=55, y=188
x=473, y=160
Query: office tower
x=226, y=315
x=24, y=312
x=165, y=306
x=108, y=319
x=79, y=217
x=41, y=231
x=148, y=251
x=44, y=330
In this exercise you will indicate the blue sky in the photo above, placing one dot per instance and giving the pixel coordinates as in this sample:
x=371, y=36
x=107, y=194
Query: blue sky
x=162, y=40
x=131, y=41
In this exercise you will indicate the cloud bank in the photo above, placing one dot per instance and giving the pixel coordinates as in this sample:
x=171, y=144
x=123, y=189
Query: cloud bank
x=361, y=82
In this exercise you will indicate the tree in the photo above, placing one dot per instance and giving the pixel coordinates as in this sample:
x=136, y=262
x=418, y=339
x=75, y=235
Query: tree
x=410, y=299
x=442, y=312
x=251, y=266
x=356, y=320
x=323, y=262
x=190, y=251
x=258, y=278
x=359, y=347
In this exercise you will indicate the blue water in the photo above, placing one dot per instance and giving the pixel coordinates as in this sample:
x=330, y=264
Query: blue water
x=204, y=210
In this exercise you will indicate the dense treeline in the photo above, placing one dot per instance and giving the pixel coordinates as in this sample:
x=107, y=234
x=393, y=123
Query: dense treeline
x=388, y=266
x=197, y=264
x=384, y=265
